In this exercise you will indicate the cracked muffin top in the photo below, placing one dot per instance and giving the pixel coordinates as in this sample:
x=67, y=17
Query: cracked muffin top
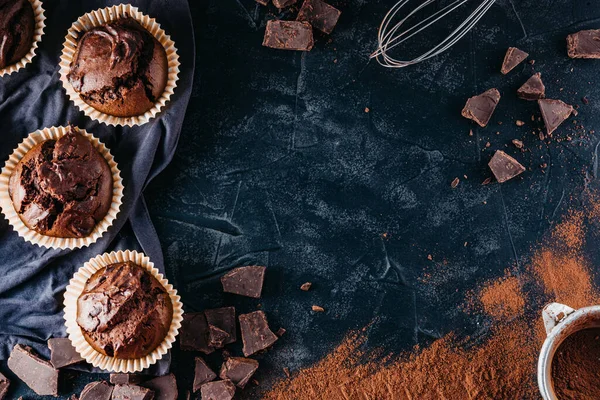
x=62, y=188
x=119, y=68
x=124, y=311
x=17, y=26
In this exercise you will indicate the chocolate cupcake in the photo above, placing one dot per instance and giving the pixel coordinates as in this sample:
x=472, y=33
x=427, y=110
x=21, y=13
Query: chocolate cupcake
x=119, y=68
x=124, y=311
x=62, y=187
x=17, y=28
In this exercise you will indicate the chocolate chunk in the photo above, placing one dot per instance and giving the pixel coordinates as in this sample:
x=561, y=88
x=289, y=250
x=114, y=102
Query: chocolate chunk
x=193, y=335
x=219, y=390
x=126, y=379
x=224, y=319
x=239, y=370
x=584, y=44
x=319, y=14
x=202, y=374
x=504, y=166
x=132, y=392
x=62, y=353
x=533, y=89
x=97, y=391
x=245, y=281
x=481, y=107
x=164, y=387
x=554, y=112
x=512, y=58
x=217, y=337
x=283, y=3
x=289, y=35
x=256, y=334
x=4, y=384
x=36, y=372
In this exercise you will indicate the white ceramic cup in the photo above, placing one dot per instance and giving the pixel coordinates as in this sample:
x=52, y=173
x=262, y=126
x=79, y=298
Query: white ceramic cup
x=560, y=322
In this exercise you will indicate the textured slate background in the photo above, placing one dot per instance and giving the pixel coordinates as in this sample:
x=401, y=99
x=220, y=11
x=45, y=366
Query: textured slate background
x=279, y=164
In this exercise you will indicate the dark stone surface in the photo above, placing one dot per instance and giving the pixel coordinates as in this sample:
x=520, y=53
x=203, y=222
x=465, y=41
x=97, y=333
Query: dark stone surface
x=279, y=165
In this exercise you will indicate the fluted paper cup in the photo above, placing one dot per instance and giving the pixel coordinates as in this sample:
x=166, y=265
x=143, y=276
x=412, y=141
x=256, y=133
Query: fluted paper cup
x=93, y=356
x=8, y=209
x=104, y=16
x=38, y=13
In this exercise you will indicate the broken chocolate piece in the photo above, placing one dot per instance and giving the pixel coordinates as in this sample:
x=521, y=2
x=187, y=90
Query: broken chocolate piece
x=97, y=391
x=533, y=89
x=4, y=384
x=193, y=335
x=132, y=392
x=481, y=107
x=320, y=15
x=584, y=44
x=512, y=58
x=504, y=166
x=239, y=370
x=126, y=379
x=217, y=337
x=36, y=372
x=256, y=335
x=245, y=281
x=554, y=112
x=62, y=353
x=219, y=390
x=202, y=374
x=164, y=387
x=289, y=35
x=283, y=3
x=224, y=319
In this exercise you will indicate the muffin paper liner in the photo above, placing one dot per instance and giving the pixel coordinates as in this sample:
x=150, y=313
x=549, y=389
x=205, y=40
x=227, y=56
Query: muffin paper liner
x=38, y=13
x=76, y=287
x=8, y=209
x=103, y=16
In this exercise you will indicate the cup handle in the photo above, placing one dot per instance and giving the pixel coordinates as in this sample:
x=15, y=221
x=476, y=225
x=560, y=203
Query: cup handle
x=553, y=314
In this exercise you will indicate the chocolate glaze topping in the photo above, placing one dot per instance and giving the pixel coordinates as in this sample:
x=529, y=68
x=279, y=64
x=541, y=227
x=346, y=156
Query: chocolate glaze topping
x=17, y=26
x=124, y=311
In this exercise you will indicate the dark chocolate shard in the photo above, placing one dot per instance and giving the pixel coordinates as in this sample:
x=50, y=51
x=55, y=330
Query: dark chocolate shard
x=319, y=14
x=512, y=58
x=193, y=335
x=39, y=374
x=97, y=391
x=132, y=392
x=217, y=337
x=224, y=319
x=4, y=384
x=283, y=3
x=554, y=112
x=126, y=379
x=164, y=387
x=238, y=370
x=481, y=107
x=219, y=390
x=289, y=35
x=62, y=353
x=256, y=335
x=202, y=374
x=533, y=89
x=584, y=44
x=245, y=281
x=504, y=166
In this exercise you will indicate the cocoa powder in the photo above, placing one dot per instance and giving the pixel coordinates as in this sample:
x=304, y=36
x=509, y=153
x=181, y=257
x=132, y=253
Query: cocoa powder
x=575, y=366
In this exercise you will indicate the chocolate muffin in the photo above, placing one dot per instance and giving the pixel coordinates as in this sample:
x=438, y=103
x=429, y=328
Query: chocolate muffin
x=62, y=188
x=124, y=312
x=119, y=69
x=17, y=26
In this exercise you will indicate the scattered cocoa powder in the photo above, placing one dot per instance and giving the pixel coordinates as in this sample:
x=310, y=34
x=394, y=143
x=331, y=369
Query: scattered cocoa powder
x=502, y=298
x=575, y=366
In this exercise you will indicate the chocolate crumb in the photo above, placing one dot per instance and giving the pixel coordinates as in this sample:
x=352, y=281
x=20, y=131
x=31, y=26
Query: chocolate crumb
x=455, y=183
x=318, y=309
x=306, y=286
x=518, y=144
x=487, y=181
x=519, y=122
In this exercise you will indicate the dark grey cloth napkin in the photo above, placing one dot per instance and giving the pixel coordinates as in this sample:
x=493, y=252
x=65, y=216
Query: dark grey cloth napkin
x=32, y=279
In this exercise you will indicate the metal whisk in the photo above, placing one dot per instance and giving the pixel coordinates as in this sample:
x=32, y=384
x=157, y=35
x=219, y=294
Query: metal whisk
x=388, y=36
